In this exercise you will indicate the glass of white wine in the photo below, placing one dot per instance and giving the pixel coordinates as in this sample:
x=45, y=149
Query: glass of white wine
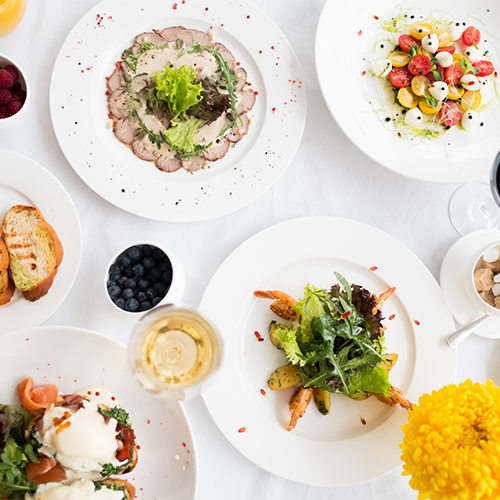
x=174, y=352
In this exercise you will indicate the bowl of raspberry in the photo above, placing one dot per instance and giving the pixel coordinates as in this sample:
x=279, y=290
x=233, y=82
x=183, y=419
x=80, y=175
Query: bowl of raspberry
x=142, y=276
x=14, y=92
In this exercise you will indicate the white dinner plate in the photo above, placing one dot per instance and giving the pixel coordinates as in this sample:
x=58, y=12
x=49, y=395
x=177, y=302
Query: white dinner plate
x=350, y=38
x=73, y=358
x=80, y=115
x=25, y=182
x=337, y=449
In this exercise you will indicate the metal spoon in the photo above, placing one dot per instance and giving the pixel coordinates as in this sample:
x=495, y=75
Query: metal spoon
x=460, y=335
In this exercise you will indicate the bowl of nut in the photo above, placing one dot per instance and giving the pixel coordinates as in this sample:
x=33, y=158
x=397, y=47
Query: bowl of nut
x=141, y=277
x=14, y=93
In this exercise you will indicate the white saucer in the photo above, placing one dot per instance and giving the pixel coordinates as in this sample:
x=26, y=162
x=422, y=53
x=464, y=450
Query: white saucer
x=451, y=278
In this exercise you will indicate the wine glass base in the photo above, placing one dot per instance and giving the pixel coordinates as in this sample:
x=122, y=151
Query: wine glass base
x=472, y=208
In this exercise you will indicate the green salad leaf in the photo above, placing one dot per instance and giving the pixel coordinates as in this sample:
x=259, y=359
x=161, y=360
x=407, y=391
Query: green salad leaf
x=180, y=135
x=370, y=379
x=288, y=339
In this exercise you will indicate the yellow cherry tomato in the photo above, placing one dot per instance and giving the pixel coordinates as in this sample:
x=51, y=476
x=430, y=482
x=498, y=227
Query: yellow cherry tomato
x=457, y=58
x=423, y=52
x=420, y=85
x=443, y=36
x=420, y=29
x=399, y=58
x=427, y=108
x=470, y=100
x=455, y=93
x=407, y=98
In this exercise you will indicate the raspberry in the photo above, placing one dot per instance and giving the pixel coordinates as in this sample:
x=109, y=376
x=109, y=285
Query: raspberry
x=4, y=112
x=6, y=79
x=13, y=71
x=14, y=106
x=19, y=93
x=5, y=97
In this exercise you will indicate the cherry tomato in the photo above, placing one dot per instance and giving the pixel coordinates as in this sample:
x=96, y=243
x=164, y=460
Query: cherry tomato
x=406, y=42
x=471, y=36
x=443, y=36
x=451, y=49
x=419, y=29
x=407, y=98
x=419, y=65
x=450, y=113
x=431, y=76
x=400, y=77
x=453, y=74
x=420, y=85
x=485, y=68
x=399, y=58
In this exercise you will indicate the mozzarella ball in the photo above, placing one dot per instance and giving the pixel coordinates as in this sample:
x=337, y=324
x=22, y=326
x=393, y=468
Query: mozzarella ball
x=470, y=82
x=382, y=67
x=445, y=59
x=414, y=117
x=439, y=90
x=469, y=119
x=474, y=54
x=456, y=30
x=430, y=43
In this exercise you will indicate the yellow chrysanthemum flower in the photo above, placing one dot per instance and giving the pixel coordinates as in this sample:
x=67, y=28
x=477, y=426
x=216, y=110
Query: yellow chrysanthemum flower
x=451, y=446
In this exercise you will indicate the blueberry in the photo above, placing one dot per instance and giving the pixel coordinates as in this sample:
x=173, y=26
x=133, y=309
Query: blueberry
x=148, y=263
x=156, y=300
x=114, y=277
x=131, y=305
x=134, y=254
x=158, y=254
x=166, y=277
x=115, y=269
x=120, y=303
x=128, y=293
x=149, y=278
x=110, y=283
x=139, y=270
x=130, y=283
x=122, y=280
x=128, y=272
x=161, y=288
x=140, y=296
x=143, y=285
x=114, y=292
x=156, y=273
x=145, y=306
x=123, y=260
x=151, y=293
x=165, y=265
x=146, y=251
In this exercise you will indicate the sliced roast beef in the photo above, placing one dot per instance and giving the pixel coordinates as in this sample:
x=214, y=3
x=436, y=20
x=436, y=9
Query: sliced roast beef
x=193, y=164
x=226, y=55
x=176, y=32
x=114, y=82
x=148, y=37
x=140, y=150
x=124, y=131
x=117, y=102
x=217, y=151
x=242, y=77
x=201, y=37
x=168, y=164
x=246, y=100
x=239, y=130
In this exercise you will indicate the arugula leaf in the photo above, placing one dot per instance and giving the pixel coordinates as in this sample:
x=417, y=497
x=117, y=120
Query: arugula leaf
x=431, y=101
x=413, y=50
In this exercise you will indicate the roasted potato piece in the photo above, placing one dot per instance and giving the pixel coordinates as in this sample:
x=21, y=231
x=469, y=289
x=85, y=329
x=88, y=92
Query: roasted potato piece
x=390, y=361
x=284, y=377
x=272, y=328
x=322, y=399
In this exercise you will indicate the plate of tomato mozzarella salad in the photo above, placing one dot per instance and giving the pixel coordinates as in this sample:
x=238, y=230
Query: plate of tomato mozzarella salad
x=424, y=91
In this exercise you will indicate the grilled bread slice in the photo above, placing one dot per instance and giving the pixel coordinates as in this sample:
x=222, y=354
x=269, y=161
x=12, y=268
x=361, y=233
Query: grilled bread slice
x=34, y=248
x=116, y=484
x=7, y=287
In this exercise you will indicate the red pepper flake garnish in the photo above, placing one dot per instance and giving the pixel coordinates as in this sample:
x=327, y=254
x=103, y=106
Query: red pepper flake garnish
x=255, y=92
x=113, y=398
x=360, y=32
x=149, y=421
x=399, y=135
x=27, y=340
x=416, y=322
x=175, y=6
x=75, y=380
x=89, y=393
x=238, y=64
x=248, y=17
x=97, y=393
x=260, y=51
x=206, y=8
x=110, y=116
x=391, y=317
x=117, y=64
x=496, y=74
x=274, y=110
x=243, y=429
x=373, y=268
x=263, y=392
x=272, y=47
x=187, y=462
x=258, y=336
x=346, y=315
x=222, y=25
x=363, y=421
x=363, y=73
x=375, y=17
x=138, y=446
x=183, y=1
x=184, y=444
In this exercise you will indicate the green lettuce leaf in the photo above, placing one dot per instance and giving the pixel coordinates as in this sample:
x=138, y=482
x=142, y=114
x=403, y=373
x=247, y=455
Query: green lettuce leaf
x=310, y=307
x=178, y=88
x=181, y=134
x=287, y=336
x=370, y=379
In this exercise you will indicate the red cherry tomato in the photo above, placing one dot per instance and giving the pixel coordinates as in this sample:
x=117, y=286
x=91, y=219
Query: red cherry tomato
x=431, y=76
x=400, y=77
x=406, y=42
x=451, y=49
x=471, y=36
x=450, y=113
x=485, y=68
x=419, y=65
x=453, y=74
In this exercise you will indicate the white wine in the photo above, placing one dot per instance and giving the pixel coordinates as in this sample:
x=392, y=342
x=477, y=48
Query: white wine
x=173, y=348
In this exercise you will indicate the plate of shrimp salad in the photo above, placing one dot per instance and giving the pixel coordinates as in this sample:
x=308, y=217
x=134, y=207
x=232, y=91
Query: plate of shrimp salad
x=334, y=342
x=340, y=334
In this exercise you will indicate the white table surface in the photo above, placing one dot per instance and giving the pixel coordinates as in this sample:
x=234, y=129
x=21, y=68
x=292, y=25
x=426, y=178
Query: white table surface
x=328, y=176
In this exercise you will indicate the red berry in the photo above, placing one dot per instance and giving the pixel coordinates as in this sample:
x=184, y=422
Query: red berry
x=14, y=106
x=6, y=79
x=13, y=71
x=5, y=97
x=4, y=111
x=20, y=93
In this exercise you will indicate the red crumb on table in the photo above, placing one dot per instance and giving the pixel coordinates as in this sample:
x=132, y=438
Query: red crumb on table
x=263, y=392
x=184, y=444
x=360, y=32
x=391, y=317
x=363, y=73
x=242, y=429
x=258, y=336
x=363, y=421
x=175, y=6
x=375, y=17
x=416, y=322
x=149, y=421
x=373, y=268
x=274, y=110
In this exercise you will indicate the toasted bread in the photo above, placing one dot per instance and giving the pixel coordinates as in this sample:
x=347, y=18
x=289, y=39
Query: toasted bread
x=119, y=484
x=34, y=248
x=7, y=287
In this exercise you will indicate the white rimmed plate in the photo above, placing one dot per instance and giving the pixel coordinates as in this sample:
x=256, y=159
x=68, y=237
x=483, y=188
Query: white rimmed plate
x=80, y=116
x=25, y=182
x=355, y=98
x=73, y=358
x=334, y=450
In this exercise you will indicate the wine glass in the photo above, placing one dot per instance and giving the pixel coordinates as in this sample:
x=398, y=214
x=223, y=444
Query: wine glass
x=476, y=205
x=11, y=14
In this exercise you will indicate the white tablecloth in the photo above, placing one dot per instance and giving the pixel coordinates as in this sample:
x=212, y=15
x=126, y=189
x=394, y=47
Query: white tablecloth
x=328, y=176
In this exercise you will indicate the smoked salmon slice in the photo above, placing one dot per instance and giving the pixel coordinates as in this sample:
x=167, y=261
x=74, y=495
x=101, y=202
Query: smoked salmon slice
x=34, y=399
x=47, y=470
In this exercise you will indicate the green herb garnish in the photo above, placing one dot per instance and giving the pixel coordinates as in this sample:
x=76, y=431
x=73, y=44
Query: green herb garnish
x=119, y=414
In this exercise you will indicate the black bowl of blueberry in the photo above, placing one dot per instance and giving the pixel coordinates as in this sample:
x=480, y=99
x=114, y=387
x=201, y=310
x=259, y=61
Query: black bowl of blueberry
x=143, y=276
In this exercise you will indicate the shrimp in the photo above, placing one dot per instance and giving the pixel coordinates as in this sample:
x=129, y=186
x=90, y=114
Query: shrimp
x=395, y=397
x=382, y=298
x=282, y=305
x=298, y=405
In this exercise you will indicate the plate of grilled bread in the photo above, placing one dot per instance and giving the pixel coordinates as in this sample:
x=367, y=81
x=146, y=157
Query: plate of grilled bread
x=40, y=243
